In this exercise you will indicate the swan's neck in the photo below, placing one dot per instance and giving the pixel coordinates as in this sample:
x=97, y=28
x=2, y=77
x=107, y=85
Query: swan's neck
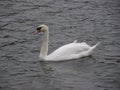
x=44, y=47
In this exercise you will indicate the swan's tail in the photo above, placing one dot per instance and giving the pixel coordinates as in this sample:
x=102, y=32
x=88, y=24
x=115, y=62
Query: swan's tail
x=93, y=47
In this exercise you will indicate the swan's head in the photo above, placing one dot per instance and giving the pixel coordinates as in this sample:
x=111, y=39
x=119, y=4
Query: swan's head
x=41, y=28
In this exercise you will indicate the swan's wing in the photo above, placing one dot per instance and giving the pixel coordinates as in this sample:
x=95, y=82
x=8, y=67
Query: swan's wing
x=69, y=49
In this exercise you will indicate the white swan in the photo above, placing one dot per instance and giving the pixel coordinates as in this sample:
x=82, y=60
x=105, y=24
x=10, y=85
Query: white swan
x=66, y=52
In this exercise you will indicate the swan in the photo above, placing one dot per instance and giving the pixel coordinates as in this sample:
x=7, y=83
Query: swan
x=70, y=51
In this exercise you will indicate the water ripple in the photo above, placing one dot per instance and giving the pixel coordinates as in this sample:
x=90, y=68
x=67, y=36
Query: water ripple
x=90, y=21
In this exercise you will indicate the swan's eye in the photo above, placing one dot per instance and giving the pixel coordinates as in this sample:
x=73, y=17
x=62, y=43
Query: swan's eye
x=39, y=28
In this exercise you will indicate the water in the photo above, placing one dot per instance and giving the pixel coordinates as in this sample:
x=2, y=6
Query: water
x=85, y=20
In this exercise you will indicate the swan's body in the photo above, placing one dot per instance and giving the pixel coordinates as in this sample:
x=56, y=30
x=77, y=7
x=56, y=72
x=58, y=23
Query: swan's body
x=66, y=52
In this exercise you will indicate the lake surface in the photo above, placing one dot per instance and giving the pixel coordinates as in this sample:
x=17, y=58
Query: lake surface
x=68, y=20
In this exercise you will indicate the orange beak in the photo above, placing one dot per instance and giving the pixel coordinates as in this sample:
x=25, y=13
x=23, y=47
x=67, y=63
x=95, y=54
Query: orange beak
x=37, y=31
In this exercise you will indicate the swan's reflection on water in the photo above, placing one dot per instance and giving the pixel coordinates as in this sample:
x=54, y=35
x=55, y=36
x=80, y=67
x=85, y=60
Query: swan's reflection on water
x=66, y=74
x=47, y=72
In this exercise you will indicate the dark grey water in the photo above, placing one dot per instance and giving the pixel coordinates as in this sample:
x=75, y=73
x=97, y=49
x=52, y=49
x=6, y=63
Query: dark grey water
x=85, y=20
